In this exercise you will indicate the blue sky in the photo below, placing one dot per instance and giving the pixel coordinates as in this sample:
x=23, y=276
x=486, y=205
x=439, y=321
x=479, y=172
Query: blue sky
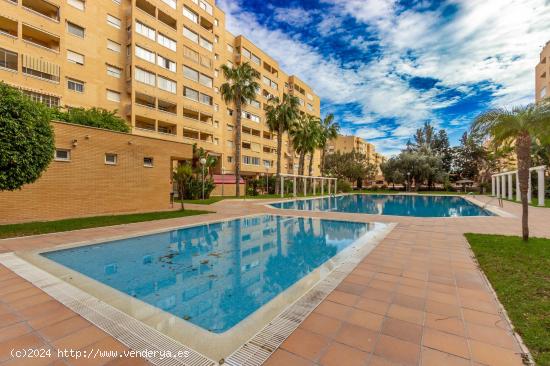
x=384, y=67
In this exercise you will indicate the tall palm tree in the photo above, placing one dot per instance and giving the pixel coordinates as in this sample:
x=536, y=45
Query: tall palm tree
x=240, y=87
x=304, y=138
x=329, y=131
x=314, y=124
x=517, y=126
x=281, y=116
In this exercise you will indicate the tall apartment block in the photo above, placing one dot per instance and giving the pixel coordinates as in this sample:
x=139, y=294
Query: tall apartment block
x=542, y=74
x=157, y=62
x=346, y=144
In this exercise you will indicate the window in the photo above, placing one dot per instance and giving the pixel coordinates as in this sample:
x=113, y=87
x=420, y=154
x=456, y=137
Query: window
x=229, y=48
x=116, y=2
x=190, y=54
x=145, y=77
x=145, y=30
x=205, y=80
x=166, y=63
x=266, y=81
x=229, y=112
x=309, y=96
x=170, y=3
x=74, y=57
x=274, y=85
x=166, y=42
x=113, y=21
x=75, y=29
x=206, y=99
x=246, y=53
x=113, y=46
x=251, y=160
x=309, y=107
x=190, y=73
x=190, y=14
x=8, y=59
x=111, y=159
x=229, y=127
x=113, y=96
x=167, y=84
x=189, y=34
x=45, y=99
x=205, y=6
x=191, y=94
x=216, y=73
x=230, y=159
x=255, y=59
x=206, y=44
x=145, y=54
x=79, y=4
x=251, y=116
x=62, y=155
x=254, y=103
x=75, y=85
x=229, y=144
x=148, y=162
x=114, y=71
x=543, y=92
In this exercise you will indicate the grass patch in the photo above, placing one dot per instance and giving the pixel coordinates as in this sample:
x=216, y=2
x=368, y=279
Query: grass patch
x=44, y=227
x=534, y=202
x=520, y=275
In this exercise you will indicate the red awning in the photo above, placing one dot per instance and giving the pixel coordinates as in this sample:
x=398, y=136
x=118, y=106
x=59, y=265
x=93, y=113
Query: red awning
x=225, y=179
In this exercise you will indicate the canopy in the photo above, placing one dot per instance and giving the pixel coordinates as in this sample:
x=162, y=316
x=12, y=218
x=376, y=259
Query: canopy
x=225, y=179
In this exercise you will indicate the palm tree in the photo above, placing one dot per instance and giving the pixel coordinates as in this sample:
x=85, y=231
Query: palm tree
x=240, y=87
x=329, y=131
x=304, y=138
x=280, y=118
x=182, y=175
x=517, y=126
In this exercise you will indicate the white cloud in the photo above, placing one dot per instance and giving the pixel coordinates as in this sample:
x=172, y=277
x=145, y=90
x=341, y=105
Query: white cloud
x=297, y=17
x=495, y=42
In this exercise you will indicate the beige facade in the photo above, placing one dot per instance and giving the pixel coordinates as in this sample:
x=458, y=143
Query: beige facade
x=155, y=61
x=542, y=74
x=346, y=144
x=97, y=172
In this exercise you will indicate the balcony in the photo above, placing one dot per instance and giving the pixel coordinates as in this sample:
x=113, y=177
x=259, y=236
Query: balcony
x=205, y=118
x=40, y=38
x=206, y=24
x=144, y=123
x=145, y=100
x=8, y=27
x=167, y=128
x=147, y=7
x=190, y=134
x=39, y=68
x=168, y=20
x=167, y=107
x=8, y=59
x=42, y=8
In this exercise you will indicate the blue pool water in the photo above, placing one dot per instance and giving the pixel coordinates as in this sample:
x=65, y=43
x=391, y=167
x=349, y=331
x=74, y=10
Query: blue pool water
x=217, y=274
x=401, y=205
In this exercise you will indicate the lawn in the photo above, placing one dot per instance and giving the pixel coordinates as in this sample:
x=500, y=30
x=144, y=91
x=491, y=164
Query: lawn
x=520, y=275
x=44, y=227
x=534, y=202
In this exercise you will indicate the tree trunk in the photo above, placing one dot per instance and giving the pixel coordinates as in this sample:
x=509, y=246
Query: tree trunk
x=238, y=148
x=523, y=152
x=323, y=152
x=279, y=158
x=310, y=165
x=301, y=163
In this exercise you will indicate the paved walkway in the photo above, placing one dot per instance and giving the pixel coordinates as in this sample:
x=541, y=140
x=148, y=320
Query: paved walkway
x=417, y=299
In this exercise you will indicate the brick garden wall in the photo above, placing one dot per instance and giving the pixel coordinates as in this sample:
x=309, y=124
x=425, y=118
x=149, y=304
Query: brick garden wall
x=86, y=186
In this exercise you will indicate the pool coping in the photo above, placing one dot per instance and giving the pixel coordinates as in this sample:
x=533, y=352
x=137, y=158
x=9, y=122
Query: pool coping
x=496, y=211
x=106, y=302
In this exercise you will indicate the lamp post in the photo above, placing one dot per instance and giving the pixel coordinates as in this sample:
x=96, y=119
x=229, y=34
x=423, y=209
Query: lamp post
x=266, y=180
x=408, y=181
x=203, y=163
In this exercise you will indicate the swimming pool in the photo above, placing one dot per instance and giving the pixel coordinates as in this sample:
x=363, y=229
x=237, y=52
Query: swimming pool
x=389, y=204
x=215, y=275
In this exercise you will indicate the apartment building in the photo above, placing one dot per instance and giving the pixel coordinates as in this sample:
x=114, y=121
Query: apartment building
x=346, y=144
x=542, y=74
x=157, y=62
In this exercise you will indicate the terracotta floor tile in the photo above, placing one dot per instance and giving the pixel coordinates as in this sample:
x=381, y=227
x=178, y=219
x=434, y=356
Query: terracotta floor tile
x=25, y=341
x=432, y=357
x=13, y=331
x=282, y=357
x=340, y=354
x=52, y=317
x=105, y=345
x=9, y=319
x=334, y=310
x=373, y=306
x=412, y=302
x=406, y=314
x=17, y=295
x=343, y=298
x=305, y=344
x=405, y=331
x=442, y=297
x=445, y=342
x=492, y=335
x=81, y=338
x=365, y=319
x=321, y=324
x=493, y=355
x=377, y=294
x=38, y=310
x=351, y=288
x=380, y=361
x=445, y=323
x=33, y=300
x=396, y=350
x=479, y=317
x=440, y=308
x=357, y=337
x=61, y=329
x=479, y=305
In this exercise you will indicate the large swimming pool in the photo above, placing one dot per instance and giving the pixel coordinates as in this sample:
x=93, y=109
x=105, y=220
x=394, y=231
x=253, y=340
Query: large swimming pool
x=386, y=204
x=215, y=275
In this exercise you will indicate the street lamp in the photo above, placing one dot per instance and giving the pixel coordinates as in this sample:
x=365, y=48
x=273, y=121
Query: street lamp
x=408, y=181
x=203, y=163
x=266, y=179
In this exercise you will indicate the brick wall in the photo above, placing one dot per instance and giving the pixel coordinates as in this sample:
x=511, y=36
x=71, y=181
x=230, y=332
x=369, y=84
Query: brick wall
x=86, y=186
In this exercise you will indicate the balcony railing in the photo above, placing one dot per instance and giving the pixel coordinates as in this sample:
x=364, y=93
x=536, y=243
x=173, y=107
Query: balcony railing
x=43, y=8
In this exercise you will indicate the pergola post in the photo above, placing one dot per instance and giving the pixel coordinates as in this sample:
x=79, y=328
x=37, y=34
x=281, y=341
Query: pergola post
x=498, y=185
x=329, y=186
x=493, y=190
x=503, y=189
x=294, y=187
x=335, y=186
x=282, y=186
x=314, y=181
x=322, y=186
x=540, y=177
x=518, y=192
x=529, y=190
x=510, y=190
x=305, y=186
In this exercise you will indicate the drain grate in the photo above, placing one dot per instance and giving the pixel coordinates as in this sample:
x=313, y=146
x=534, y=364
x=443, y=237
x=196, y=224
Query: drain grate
x=129, y=331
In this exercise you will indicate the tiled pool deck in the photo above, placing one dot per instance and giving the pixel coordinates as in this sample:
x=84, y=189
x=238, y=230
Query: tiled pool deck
x=417, y=299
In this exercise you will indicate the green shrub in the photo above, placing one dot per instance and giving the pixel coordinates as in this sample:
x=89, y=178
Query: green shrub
x=344, y=186
x=26, y=139
x=93, y=117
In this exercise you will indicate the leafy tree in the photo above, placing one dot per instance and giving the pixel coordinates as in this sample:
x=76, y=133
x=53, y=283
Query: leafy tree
x=240, y=87
x=329, y=131
x=26, y=139
x=427, y=138
x=470, y=156
x=352, y=166
x=182, y=176
x=420, y=167
x=518, y=126
x=281, y=116
x=93, y=117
